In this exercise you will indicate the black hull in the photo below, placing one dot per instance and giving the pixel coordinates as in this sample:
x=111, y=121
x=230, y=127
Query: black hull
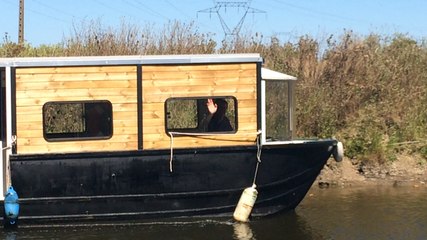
x=138, y=185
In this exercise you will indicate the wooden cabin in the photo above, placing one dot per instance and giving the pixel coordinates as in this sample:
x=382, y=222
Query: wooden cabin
x=136, y=90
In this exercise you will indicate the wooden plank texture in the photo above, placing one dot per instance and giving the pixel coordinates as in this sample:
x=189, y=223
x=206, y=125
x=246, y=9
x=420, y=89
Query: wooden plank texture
x=37, y=86
x=163, y=82
x=118, y=84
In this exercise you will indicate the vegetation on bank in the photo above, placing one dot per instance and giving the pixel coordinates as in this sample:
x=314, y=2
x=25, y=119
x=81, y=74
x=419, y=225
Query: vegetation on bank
x=368, y=91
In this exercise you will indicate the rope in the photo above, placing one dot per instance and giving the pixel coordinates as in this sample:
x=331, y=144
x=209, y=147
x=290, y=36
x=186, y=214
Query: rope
x=204, y=135
x=211, y=134
x=11, y=144
x=258, y=156
x=171, y=158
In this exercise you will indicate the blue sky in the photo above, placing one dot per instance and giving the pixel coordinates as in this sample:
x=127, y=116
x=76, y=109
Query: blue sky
x=48, y=21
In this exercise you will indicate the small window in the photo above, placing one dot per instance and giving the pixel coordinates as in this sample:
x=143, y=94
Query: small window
x=278, y=124
x=64, y=121
x=191, y=115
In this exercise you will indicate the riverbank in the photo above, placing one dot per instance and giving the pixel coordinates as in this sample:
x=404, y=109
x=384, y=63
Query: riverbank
x=404, y=171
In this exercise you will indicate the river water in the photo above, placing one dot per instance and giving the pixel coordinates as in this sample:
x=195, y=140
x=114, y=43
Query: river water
x=374, y=212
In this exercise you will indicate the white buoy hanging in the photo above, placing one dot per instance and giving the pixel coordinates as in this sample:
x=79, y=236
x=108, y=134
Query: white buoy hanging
x=248, y=198
x=246, y=202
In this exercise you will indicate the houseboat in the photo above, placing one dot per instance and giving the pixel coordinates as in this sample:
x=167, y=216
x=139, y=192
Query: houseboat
x=123, y=138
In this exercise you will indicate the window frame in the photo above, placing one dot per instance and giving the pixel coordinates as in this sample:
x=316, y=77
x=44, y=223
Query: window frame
x=84, y=135
x=200, y=114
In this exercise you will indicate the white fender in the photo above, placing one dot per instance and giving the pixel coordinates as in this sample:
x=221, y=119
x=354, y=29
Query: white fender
x=246, y=202
x=338, y=152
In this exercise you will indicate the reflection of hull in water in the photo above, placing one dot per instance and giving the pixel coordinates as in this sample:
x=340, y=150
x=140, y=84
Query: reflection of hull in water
x=138, y=185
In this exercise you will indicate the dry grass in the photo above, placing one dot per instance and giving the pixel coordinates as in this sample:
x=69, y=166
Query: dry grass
x=370, y=91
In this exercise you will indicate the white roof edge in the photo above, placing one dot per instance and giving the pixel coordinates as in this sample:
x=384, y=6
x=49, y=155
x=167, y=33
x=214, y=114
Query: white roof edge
x=267, y=74
x=131, y=59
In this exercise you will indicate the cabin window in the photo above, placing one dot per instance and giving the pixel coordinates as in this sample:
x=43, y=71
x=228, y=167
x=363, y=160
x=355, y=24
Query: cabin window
x=278, y=110
x=79, y=120
x=191, y=115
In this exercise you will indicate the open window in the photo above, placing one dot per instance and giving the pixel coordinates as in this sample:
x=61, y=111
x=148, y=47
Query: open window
x=277, y=106
x=79, y=120
x=191, y=115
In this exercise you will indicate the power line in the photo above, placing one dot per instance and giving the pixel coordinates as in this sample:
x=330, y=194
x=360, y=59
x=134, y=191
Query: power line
x=188, y=16
x=113, y=9
x=178, y=10
x=321, y=13
x=153, y=12
x=53, y=8
x=21, y=22
x=45, y=15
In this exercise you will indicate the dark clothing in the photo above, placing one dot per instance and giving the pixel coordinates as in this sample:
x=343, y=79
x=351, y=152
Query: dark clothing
x=217, y=124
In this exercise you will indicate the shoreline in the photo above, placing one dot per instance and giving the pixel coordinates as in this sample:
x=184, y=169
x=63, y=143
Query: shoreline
x=404, y=171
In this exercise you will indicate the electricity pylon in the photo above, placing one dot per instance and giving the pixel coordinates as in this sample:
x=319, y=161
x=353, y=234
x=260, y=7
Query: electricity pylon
x=223, y=5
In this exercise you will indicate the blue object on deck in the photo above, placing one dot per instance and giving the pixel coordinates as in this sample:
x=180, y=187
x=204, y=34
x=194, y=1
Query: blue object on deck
x=11, y=206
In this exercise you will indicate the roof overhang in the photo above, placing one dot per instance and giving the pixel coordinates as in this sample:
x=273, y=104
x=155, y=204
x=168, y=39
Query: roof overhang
x=267, y=74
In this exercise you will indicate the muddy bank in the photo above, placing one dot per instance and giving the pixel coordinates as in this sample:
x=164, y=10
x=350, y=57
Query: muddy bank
x=404, y=171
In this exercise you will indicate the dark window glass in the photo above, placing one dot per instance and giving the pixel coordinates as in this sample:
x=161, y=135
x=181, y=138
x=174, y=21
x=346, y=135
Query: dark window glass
x=277, y=111
x=77, y=120
x=192, y=115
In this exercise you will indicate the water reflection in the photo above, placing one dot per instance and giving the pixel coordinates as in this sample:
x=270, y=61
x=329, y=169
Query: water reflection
x=367, y=213
x=243, y=231
x=284, y=226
